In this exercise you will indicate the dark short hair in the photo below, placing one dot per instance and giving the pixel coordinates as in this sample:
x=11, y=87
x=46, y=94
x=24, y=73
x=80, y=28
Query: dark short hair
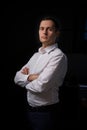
x=55, y=20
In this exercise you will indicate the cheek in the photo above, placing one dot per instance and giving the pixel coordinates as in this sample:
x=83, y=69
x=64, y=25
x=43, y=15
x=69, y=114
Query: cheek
x=40, y=33
x=52, y=35
x=39, y=37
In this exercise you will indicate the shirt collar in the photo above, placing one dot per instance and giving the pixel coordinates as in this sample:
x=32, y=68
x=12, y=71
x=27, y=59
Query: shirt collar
x=48, y=49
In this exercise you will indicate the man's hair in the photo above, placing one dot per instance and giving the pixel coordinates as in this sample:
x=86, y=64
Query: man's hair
x=55, y=20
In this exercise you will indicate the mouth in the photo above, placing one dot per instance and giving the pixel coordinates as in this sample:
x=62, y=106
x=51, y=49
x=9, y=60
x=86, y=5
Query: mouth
x=44, y=37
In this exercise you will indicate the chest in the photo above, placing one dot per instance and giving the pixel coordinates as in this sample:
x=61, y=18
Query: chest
x=39, y=62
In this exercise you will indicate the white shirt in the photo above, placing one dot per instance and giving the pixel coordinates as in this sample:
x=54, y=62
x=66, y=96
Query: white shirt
x=51, y=65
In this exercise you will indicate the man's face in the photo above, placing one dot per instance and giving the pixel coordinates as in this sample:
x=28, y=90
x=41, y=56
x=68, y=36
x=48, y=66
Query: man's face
x=47, y=32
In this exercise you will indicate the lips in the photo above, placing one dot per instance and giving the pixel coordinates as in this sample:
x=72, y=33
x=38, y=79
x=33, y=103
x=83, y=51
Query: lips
x=44, y=37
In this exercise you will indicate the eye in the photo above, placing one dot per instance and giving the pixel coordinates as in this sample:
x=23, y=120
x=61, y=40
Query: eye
x=41, y=28
x=51, y=29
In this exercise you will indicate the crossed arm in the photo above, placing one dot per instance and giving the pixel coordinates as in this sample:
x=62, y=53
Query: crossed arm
x=31, y=77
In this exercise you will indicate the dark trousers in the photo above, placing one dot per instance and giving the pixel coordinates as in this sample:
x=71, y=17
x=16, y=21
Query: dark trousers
x=43, y=118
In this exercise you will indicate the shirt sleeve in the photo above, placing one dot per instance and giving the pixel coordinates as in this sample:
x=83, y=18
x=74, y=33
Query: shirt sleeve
x=55, y=70
x=20, y=79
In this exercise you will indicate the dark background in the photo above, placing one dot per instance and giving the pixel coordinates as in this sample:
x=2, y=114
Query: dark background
x=22, y=34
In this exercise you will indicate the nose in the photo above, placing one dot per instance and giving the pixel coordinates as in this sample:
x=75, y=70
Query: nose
x=45, y=31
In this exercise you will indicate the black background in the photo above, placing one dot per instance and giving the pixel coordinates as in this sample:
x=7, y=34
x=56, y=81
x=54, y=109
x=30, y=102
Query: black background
x=22, y=41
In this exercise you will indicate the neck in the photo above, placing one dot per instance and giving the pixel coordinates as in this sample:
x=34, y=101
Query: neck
x=44, y=45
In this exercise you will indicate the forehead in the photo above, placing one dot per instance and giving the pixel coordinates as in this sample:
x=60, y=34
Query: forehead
x=47, y=23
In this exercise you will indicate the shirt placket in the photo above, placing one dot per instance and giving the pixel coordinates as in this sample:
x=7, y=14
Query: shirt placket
x=36, y=64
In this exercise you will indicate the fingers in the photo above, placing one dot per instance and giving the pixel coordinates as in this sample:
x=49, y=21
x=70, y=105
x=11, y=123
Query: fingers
x=25, y=71
x=32, y=77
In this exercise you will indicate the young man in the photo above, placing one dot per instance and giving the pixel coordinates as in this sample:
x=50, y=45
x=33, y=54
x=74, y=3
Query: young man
x=42, y=76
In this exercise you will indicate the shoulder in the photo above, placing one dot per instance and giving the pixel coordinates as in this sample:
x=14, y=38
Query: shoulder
x=58, y=52
x=35, y=54
x=59, y=55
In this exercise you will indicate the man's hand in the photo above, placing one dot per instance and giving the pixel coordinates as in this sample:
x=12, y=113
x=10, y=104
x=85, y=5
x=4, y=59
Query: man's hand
x=32, y=77
x=25, y=71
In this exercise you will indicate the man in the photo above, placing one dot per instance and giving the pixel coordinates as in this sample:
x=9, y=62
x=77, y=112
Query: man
x=42, y=76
